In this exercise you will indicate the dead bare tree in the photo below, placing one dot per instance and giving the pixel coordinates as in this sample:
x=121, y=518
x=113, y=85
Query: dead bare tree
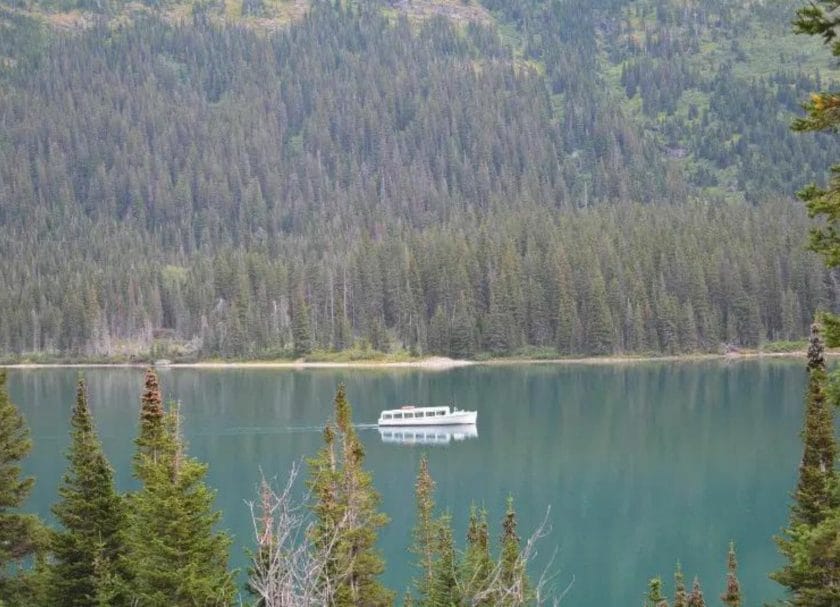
x=288, y=570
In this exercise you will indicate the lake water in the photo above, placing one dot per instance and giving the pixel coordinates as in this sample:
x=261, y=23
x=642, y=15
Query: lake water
x=642, y=465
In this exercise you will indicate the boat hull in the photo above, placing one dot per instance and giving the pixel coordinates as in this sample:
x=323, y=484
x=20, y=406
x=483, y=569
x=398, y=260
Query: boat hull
x=460, y=418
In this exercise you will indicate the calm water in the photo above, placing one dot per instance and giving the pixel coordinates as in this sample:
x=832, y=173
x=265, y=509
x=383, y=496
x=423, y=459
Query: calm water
x=641, y=465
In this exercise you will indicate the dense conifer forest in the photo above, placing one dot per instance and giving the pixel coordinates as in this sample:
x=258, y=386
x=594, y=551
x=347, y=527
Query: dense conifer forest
x=526, y=177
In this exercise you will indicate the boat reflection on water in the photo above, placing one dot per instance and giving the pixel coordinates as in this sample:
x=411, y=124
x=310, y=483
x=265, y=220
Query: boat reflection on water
x=427, y=435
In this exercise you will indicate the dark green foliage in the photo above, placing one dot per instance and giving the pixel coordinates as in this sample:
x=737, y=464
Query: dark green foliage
x=654, y=597
x=300, y=327
x=512, y=571
x=176, y=556
x=814, y=492
x=21, y=535
x=680, y=594
x=151, y=436
x=88, y=553
x=819, y=19
x=347, y=520
x=477, y=565
x=471, y=578
x=732, y=596
x=425, y=533
x=408, y=186
x=812, y=567
x=810, y=545
x=445, y=582
x=695, y=598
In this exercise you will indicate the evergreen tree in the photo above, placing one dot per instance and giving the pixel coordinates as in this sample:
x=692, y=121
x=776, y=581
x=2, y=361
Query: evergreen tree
x=150, y=438
x=695, y=599
x=300, y=326
x=477, y=564
x=680, y=595
x=732, y=596
x=21, y=535
x=808, y=570
x=88, y=554
x=347, y=520
x=512, y=572
x=445, y=586
x=654, y=597
x=425, y=531
x=814, y=495
x=177, y=557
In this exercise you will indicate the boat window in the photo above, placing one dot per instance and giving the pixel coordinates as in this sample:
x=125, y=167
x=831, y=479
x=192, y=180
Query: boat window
x=398, y=415
x=386, y=416
x=409, y=415
x=441, y=413
x=430, y=414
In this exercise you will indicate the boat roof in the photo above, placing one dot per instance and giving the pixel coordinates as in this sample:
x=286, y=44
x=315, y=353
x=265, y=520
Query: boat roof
x=414, y=408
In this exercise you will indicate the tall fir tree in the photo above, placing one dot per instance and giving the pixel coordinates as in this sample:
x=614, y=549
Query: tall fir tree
x=88, y=554
x=346, y=513
x=654, y=597
x=22, y=536
x=445, y=590
x=477, y=566
x=512, y=573
x=301, y=335
x=425, y=531
x=695, y=598
x=811, y=568
x=680, y=594
x=176, y=556
x=814, y=491
x=732, y=596
x=150, y=438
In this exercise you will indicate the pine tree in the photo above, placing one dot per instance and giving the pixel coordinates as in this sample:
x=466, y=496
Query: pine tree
x=808, y=568
x=151, y=435
x=21, y=535
x=346, y=515
x=301, y=335
x=732, y=596
x=816, y=471
x=655, y=598
x=425, y=530
x=680, y=595
x=695, y=599
x=512, y=572
x=477, y=564
x=445, y=586
x=88, y=554
x=178, y=559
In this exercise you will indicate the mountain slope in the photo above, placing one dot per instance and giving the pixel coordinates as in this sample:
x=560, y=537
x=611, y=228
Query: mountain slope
x=580, y=177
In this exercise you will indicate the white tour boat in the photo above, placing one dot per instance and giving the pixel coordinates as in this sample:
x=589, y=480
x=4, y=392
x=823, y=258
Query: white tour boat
x=426, y=416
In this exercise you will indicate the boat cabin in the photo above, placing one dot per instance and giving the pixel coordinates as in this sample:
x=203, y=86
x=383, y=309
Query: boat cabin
x=412, y=413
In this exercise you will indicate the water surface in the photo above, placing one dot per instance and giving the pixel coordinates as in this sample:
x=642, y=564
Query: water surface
x=642, y=465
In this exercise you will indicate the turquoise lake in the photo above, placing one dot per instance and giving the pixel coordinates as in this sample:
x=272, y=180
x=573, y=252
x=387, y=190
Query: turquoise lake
x=641, y=465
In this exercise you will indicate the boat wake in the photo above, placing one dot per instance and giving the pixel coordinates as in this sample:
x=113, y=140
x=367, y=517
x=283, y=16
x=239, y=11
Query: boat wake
x=276, y=430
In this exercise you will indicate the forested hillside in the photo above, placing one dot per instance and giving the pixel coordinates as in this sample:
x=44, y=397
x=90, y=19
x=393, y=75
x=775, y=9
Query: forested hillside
x=575, y=176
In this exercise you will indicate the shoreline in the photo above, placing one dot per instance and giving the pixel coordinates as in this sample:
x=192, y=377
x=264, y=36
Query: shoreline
x=437, y=363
